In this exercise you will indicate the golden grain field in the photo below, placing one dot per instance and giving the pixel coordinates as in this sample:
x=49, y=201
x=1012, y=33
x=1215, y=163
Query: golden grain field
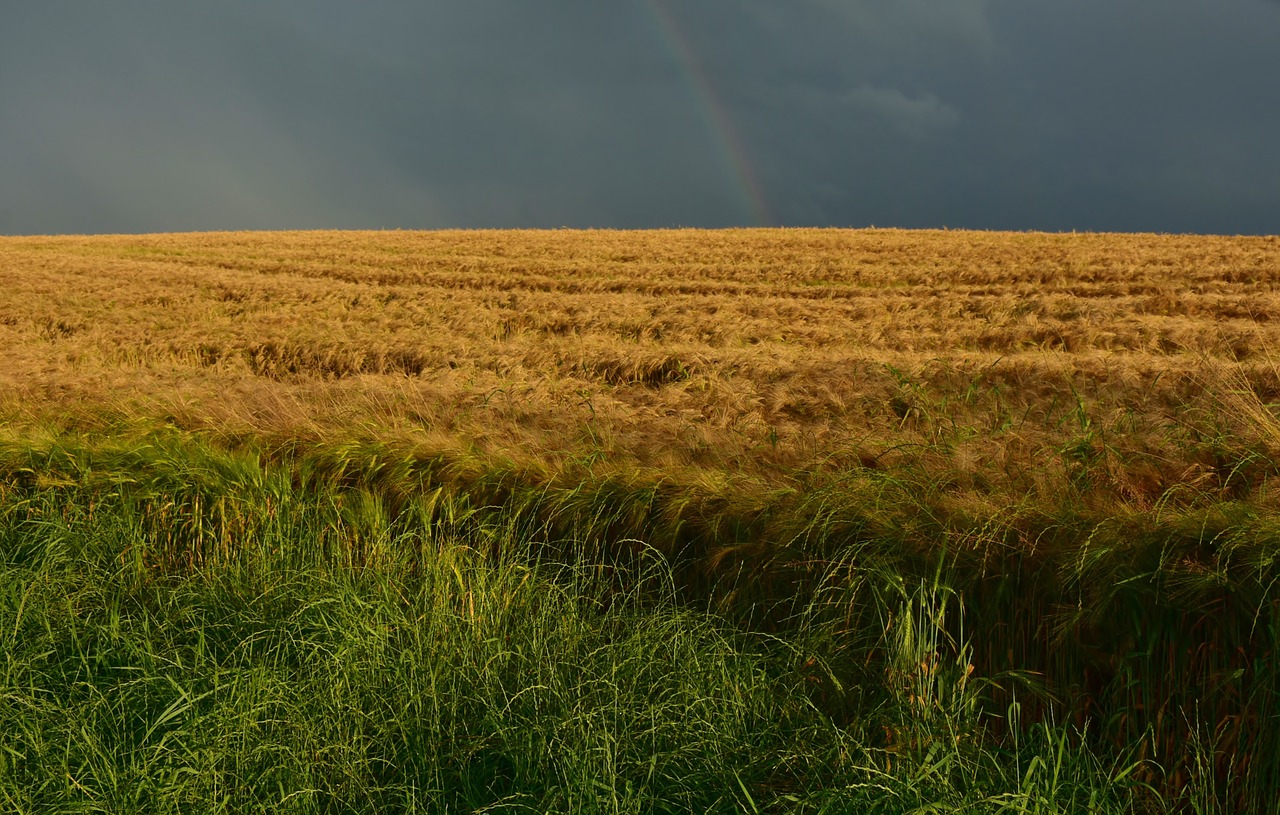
x=768, y=352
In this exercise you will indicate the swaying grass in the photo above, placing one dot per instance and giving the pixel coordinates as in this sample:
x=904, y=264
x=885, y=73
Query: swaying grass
x=788, y=520
x=195, y=630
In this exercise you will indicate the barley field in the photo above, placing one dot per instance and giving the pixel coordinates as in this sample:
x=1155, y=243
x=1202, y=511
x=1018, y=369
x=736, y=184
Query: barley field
x=741, y=520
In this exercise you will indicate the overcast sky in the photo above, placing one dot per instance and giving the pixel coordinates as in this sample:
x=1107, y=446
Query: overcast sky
x=154, y=115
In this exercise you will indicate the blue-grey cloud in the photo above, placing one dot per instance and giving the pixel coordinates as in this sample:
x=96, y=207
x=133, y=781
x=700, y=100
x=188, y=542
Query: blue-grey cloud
x=143, y=115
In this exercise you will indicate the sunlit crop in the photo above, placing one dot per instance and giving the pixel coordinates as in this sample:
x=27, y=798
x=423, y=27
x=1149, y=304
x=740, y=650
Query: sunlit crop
x=969, y=519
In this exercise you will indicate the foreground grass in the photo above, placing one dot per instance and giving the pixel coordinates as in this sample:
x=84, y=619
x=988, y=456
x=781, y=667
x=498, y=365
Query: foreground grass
x=195, y=629
x=278, y=672
x=267, y=684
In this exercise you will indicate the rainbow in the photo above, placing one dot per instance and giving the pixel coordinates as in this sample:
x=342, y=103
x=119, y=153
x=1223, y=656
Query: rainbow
x=734, y=155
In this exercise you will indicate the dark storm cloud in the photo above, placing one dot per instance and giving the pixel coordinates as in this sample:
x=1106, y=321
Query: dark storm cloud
x=1090, y=115
x=138, y=116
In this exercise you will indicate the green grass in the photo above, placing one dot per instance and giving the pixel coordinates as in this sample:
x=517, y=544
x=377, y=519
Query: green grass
x=194, y=625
